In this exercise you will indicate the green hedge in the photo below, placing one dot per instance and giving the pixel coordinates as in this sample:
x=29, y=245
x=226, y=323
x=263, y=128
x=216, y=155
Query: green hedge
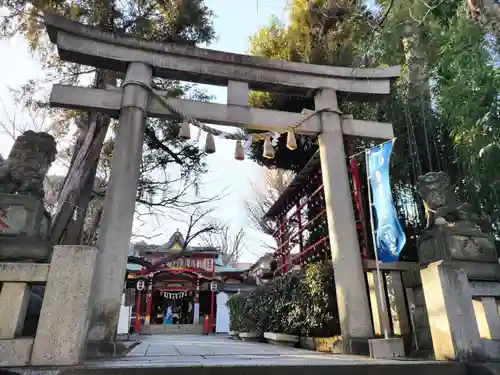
x=298, y=304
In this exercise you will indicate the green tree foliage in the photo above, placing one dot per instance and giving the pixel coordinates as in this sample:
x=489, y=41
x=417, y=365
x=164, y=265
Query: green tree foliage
x=320, y=32
x=167, y=163
x=444, y=109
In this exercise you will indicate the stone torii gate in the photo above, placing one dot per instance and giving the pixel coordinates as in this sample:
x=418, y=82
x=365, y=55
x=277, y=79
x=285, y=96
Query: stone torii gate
x=134, y=102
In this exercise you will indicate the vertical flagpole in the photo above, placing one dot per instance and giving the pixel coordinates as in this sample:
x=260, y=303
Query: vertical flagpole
x=374, y=239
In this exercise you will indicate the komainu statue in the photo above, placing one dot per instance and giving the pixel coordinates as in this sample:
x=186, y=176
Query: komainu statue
x=28, y=163
x=24, y=221
x=442, y=206
x=453, y=231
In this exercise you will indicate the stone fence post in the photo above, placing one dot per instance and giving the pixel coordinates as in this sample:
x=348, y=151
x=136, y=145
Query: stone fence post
x=61, y=334
x=448, y=297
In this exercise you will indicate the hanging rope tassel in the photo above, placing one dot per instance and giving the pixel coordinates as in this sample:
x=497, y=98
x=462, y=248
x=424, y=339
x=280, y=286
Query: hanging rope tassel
x=268, y=152
x=291, y=141
x=185, y=132
x=210, y=144
x=239, y=152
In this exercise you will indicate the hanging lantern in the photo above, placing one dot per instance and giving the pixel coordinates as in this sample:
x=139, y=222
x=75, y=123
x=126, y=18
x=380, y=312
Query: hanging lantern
x=268, y=152
x=185, y=131
x=210, y=144
x=291, y=142
x=239, y=152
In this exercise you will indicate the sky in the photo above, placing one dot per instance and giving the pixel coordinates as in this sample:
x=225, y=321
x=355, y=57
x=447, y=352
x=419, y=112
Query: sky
x=235, y=22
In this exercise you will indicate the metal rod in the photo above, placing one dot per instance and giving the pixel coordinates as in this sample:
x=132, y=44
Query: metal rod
x=364, y=152
x=379, y=274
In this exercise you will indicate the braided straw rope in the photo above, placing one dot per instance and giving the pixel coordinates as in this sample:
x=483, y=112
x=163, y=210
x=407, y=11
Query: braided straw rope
x=239, y=136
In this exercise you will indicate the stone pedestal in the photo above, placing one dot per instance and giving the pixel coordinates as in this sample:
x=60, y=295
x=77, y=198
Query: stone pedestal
x=387, y=348
x=24, y=229
x=62, y=330
x=454, y=243
x=448, y=298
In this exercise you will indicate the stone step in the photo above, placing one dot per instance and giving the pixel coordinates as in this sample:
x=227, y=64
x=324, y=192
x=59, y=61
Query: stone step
x=172, y=329
x=186, y=368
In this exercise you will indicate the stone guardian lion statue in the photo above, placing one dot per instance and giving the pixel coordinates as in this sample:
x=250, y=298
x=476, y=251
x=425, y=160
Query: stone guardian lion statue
x=27, y=164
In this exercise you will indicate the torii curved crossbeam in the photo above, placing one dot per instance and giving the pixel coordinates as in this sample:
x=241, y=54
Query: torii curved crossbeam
x=89, y=46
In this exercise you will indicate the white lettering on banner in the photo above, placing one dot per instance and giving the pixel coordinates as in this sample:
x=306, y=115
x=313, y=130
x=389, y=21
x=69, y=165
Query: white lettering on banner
x=205, y=264
x=389, y=239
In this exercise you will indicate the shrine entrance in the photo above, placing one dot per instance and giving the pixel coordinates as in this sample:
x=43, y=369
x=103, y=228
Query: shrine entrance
x=136, y=100
x=176, y=289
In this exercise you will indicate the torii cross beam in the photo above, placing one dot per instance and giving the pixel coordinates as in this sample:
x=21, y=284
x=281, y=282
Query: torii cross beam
x=141, y=61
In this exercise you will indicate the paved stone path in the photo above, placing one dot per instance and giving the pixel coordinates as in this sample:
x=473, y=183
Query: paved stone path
x=194, y=350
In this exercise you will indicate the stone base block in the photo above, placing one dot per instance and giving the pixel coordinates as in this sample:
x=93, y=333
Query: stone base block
x=25, y=236
x=386, y=348
x=307, y=343
x=491, y=351
x=483, y=369
x=281, y=339
x=249, y=336
x=15, y=352
x=172, y=329
x=357, y=346
x=103, y=349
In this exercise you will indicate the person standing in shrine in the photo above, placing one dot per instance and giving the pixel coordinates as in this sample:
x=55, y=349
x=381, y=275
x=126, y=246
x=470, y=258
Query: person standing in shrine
x=168, y=315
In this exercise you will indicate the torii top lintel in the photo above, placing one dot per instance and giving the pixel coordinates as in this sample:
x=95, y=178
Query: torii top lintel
x=89, y=46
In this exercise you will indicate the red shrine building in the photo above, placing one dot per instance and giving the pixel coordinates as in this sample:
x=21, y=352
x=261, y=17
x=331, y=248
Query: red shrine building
x=300, y=220
x=179, y=288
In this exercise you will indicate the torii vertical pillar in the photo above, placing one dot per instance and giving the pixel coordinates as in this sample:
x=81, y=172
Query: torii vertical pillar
x=119, y=206
x=352, y=299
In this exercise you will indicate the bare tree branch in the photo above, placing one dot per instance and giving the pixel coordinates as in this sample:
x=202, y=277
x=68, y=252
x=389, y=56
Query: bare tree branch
x=231, y=246
x=263, y=197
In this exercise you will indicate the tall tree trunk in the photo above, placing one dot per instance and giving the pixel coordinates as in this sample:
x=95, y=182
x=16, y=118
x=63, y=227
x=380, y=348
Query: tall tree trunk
x=76, y=192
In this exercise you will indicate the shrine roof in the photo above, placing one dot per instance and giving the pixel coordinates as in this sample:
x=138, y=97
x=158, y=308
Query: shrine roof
x=289, y=196
x=229, y=269
x=176, y=243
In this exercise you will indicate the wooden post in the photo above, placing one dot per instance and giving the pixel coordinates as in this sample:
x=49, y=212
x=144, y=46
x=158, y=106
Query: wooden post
x=212, y=304
x=138, y=312
x=196, y=307
x=149, y=300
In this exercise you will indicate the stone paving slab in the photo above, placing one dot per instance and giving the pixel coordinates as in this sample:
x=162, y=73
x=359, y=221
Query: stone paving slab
x=215, y=355
x=192, y=350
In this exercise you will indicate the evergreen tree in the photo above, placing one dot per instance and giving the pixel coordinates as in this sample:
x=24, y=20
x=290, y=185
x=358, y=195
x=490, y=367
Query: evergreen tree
x=178, y=21
x=444, y=109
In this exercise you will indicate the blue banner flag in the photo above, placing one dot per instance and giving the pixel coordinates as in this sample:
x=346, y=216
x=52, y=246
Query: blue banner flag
x=390, y=236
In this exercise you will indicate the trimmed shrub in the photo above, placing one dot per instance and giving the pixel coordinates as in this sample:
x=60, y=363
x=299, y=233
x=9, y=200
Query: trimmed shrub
x=235, y=304
x=297, y=304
